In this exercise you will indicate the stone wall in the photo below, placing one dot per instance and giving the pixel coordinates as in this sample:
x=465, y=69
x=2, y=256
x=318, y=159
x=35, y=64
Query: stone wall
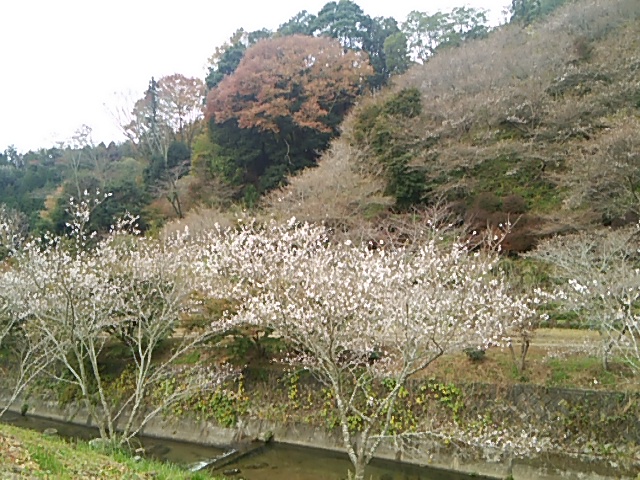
x=573, y=414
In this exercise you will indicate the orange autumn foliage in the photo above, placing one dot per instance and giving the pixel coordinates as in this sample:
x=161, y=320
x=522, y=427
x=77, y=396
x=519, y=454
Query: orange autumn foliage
x=305, y=79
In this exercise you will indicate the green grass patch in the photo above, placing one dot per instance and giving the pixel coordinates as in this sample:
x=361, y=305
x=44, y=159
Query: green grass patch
x=46, y=460
x=28, y=454
x=510, y=175
x=575, y=371
x=190, y=358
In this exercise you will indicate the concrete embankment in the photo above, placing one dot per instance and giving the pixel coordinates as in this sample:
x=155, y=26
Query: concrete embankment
x=494, y=464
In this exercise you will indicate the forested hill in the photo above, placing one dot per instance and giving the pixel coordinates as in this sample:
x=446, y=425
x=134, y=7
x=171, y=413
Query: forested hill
x=340, y=117
x=537, y=122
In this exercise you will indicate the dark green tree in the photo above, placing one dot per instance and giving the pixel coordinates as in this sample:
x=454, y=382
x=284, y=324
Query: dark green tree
x=303, y=23
x=257, y=35
x=379, y=29
x=527, y=11
x=125, y=182
x=226, y=58
x=464, y=24
x=25, y=186
x=396, y=53
x=12, y=157
x=345, y=21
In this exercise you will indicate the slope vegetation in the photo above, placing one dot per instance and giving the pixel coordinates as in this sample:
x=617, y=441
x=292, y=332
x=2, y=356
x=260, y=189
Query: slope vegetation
x=539, y=123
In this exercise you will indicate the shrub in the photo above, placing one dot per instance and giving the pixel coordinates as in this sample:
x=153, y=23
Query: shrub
x=475, y=354
x=514, y=204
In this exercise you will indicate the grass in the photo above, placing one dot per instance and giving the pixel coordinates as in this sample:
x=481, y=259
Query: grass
x=508, y=175
x=563, y=372
x=190, y=358
x=557, y=358
x=46, y=460
x=28, y=454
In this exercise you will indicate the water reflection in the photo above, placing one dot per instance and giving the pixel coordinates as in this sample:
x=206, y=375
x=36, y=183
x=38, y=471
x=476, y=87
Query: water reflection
x=301, y=463
x=274, y=461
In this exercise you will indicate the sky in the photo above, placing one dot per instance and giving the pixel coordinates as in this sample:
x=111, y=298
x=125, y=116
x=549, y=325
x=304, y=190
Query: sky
x=66, y=63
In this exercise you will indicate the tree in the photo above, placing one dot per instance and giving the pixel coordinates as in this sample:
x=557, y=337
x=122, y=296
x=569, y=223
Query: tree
x=164, y=175
x=181, y=100
x=378, y=31
x=281, y=107
x=226, y=58
x=14, y=228
x=208, y=186
x=77, y=291
x=464, y=24
x=12, y=157
x=170, y=111
x=81, y=154
x=23, y=353
x=601, y=275
x=424, y=33
x=428, y=33
x=364, y=321
x=345, y=21
x=303, y=23
x=145, y=126
x=24, y=189
x=525, y=10
x=163, y=125
x=396, y=53
x=614, y=191
x=309, y=81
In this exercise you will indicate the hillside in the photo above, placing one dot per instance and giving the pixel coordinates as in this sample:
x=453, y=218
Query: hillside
x=538, y=123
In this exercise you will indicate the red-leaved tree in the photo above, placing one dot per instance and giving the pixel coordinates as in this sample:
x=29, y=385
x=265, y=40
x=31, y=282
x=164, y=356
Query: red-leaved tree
x=303, y=79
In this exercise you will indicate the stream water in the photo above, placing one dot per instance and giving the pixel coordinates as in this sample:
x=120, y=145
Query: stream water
x=273, y=461
x=301, y=463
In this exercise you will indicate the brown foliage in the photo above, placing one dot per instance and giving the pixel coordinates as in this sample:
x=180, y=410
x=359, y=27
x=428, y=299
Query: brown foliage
x=177, y=115
x=181, y=104
x=304, y=78
x=337, y=192
x=544, y=114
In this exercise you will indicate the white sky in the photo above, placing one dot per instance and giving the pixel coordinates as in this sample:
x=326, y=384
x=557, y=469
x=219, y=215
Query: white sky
x=62, y=61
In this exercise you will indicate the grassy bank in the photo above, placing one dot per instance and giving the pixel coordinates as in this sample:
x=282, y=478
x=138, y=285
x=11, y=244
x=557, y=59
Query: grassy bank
x=29, y=454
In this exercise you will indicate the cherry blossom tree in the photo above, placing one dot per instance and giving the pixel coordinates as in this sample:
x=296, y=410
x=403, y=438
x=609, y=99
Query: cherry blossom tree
x=76, y=292
x=601, y=274
x=24, y=353
x=364, y=321
x=14, y=227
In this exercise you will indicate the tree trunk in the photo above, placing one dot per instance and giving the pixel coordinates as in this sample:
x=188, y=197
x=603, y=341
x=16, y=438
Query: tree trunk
x=609, y=347
x=605, y=360
x=523, y=354
x=358, y=469
x=520, y=361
